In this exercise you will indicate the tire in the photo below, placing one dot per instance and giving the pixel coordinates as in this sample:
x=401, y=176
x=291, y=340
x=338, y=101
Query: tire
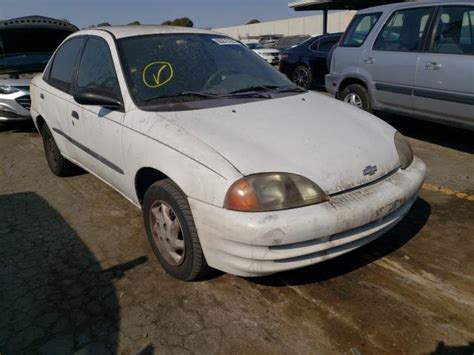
x=302, y=77
x=58, y=165
x=186, y=261
x=358, y=96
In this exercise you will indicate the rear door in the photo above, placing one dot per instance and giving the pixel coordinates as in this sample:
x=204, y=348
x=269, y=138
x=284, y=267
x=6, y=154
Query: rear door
x=393, y=59
x=98, y=130
x=445, y=75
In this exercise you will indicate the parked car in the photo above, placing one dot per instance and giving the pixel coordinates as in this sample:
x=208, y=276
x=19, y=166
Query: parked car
x=272, y=56
x=306, y=64
x=290, y=42
x=233, y=166
x=268, y=40
x=409, y=58
x=26, y=45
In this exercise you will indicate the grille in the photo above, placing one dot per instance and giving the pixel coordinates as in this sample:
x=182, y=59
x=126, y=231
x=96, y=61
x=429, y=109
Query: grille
x=24, y=101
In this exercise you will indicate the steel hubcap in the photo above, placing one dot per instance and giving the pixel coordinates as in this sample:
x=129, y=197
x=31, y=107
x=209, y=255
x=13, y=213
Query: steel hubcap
x=167, y=233
x=301, y=78
x=354, y=100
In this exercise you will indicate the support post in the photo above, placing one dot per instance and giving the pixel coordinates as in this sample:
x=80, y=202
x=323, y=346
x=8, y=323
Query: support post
x=325, y=22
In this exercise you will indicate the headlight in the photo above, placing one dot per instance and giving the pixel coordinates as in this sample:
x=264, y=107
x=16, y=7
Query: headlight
x=273, y=192
x=6, y=89
x=404, y=151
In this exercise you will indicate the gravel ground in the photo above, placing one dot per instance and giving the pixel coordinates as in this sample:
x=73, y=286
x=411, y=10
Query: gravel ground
x=77, y=274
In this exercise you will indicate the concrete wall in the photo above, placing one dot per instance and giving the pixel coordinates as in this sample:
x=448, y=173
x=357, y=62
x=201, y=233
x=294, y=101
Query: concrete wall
x=308, y=25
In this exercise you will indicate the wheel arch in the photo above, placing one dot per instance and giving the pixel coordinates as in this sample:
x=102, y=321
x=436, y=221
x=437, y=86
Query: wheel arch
x=39, y=122
x=351, y=81
x=144, y=178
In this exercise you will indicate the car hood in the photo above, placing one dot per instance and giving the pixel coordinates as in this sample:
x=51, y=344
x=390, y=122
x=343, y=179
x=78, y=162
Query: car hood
x=312, y=135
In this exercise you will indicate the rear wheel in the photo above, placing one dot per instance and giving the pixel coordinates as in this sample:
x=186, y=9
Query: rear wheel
x=58, y=165
x=356, y=95
x=302, y=77
x=171, y=232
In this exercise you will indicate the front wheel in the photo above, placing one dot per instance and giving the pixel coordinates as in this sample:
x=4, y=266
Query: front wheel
x=302, y=77
x=171, y=232
x=356, y=95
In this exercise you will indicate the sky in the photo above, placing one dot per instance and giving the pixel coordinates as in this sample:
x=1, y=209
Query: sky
x=204, y=13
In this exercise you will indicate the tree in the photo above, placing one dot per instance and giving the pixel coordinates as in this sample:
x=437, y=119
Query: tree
x=252, y=22
x=134, y=23
x=103, y=24
x=182, y=22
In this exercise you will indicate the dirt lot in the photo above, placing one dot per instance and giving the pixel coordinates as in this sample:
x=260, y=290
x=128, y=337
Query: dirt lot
x=76, y=273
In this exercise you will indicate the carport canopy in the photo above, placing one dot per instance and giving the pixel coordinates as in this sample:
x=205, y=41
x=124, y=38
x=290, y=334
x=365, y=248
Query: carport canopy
x=326, y=5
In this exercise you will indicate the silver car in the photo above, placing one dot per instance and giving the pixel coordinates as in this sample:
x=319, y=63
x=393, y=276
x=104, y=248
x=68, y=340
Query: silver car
x=409, y=58
x=26, y=45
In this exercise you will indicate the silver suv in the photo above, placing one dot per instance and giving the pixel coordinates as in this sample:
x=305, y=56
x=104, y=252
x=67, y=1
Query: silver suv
x=409, y=58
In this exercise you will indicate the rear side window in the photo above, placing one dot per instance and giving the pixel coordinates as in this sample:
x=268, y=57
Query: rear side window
x=326, y=45
x=405, y=30
x=359, y=29
x=454, y=32
x=62, y=69
x=96, y=70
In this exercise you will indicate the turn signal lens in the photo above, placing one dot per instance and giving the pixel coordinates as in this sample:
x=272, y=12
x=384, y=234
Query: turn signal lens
x=273, y=192
x=242, y=197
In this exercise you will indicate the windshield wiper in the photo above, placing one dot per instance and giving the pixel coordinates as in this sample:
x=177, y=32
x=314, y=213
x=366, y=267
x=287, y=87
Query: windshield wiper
x=270, y=88
x=209, y=96
x=202, y=95
x=291, y=89
x=256, y=88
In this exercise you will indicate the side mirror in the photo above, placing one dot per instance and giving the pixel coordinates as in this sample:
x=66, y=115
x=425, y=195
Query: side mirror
x=98, y=98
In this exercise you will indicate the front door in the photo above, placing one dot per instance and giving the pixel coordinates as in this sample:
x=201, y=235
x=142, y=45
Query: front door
x=393, y=59
x=97, y=130
x=445, y=76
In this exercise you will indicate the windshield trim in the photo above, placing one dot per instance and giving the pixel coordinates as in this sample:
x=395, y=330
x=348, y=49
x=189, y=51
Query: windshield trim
x=189, y=105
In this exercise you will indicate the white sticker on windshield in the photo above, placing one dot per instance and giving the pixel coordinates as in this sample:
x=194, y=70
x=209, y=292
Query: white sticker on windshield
x=225, y=41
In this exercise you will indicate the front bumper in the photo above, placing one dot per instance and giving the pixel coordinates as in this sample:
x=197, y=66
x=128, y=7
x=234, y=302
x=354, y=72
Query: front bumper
x=258, y=244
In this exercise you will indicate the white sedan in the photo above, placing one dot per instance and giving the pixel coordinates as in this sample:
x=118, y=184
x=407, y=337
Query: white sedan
x=233, y=166
x=271, y=56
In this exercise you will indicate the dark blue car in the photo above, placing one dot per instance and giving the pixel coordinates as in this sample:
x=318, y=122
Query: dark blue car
x=307, y=64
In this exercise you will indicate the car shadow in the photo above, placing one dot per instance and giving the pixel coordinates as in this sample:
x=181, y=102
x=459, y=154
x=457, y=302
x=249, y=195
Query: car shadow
x=443, y=349
x=54, y=296
x=385, y=245
x=446, y=136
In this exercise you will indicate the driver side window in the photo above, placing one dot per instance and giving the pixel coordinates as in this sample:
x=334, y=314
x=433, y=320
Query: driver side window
x=96, y=70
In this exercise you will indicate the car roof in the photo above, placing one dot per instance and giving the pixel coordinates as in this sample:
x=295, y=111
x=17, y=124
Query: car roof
x=143, y=30
x=408, y=4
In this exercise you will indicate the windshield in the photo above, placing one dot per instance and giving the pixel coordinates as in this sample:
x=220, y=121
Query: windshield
x=166, y=67
x=255, y=46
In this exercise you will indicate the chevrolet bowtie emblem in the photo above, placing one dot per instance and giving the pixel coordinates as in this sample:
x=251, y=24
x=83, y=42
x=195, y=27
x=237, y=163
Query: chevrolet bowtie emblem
x=370, y=170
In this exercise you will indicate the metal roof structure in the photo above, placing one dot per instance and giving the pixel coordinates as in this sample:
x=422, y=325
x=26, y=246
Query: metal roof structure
x=326, y=5
x=318, y=5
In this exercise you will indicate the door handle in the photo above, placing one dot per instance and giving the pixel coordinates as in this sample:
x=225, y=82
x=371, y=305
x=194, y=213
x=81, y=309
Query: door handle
x=369, y=60
x=75, y=115
x=42, y=96
x=433, y=66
